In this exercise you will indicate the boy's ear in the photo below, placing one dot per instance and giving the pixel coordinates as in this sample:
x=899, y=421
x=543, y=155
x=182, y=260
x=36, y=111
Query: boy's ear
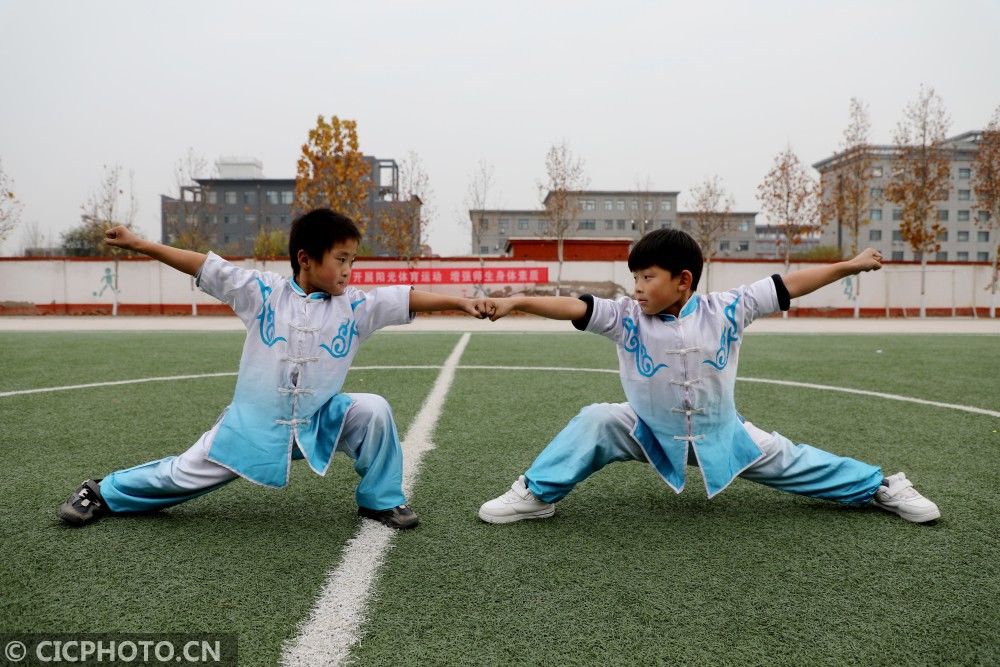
x=686, y=278
x=303, y=258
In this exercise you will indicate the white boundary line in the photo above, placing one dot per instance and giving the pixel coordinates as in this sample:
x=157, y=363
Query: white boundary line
x=333, y=627
x=167, y=378
x=91, y=385
x=876, y=394
x=786, y=383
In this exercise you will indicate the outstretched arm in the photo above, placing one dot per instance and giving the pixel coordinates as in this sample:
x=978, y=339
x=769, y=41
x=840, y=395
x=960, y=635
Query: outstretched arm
x=187, y=261
x=424, y=302
x=802, y=282
x=552, y=307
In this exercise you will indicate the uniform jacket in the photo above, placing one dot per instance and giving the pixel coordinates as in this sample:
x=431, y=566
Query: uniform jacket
x=679, y=375
x=295, y=358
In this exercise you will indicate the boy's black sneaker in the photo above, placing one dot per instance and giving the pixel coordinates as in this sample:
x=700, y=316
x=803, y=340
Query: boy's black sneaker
x=85, y=505
x=400, y=517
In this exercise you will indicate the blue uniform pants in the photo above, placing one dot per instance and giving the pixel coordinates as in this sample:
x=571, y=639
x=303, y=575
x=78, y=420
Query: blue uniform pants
x=602, y=433
x=369, y=437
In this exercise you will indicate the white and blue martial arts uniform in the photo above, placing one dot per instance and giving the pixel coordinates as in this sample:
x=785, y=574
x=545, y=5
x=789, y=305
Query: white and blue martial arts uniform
x=287, y=403
x=679, y=377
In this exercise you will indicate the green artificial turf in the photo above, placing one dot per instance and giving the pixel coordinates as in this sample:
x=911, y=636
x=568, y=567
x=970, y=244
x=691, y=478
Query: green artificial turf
x=243, y=559
x=629, y=573
x=625, y=573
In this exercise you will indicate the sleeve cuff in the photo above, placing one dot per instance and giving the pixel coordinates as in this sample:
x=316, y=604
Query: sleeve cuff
x=784, y=299
x=581, y=323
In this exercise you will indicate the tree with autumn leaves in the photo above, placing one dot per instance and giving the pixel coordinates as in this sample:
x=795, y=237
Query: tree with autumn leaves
x=270, y=243
x=846, y=195
x=332, y=172
x=402, y=224
x=789, y=199
x=844, y=188
x=921, y=176
x=986, y=185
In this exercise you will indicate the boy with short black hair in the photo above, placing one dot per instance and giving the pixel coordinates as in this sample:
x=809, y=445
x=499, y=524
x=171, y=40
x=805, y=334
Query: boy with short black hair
x=677, y=354
x=302, y=334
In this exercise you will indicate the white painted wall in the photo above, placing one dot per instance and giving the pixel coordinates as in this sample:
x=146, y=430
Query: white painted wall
x=61, y=281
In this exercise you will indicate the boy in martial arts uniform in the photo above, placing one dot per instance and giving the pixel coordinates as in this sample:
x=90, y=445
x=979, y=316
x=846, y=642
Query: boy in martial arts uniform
x=302, y=335
x=677, y=352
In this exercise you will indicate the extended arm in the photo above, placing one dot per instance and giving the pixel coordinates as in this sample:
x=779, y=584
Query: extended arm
x=552, y=307
x=423, y=302
x=187, y=261
x=804, y=281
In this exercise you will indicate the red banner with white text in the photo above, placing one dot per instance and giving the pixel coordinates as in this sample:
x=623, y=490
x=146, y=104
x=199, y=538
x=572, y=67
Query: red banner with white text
x=450, y=276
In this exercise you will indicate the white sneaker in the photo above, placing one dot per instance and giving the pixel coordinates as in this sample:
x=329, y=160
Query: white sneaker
x=898, y=495
x=517, y=504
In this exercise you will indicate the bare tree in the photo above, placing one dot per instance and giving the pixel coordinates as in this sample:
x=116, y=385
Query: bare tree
x=711, y=207
x=477, y=197
x=187, y=229
x=846, y=193
x=644, y=206
x=10, y=207
x=565, y=178
x=921, y=176
x=112, y=203
x=986, y=183
x=32, y=238
x=403, y=224
x=788, y=197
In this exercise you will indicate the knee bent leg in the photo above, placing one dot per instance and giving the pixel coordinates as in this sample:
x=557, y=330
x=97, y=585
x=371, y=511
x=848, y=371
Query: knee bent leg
x=369, y=407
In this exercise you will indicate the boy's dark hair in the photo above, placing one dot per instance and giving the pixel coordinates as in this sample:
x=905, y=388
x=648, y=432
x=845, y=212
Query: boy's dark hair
x=316, y=232
x=672, y=250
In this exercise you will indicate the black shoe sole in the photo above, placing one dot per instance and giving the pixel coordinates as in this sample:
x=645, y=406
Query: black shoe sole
x=387, y=520
x=71, y=518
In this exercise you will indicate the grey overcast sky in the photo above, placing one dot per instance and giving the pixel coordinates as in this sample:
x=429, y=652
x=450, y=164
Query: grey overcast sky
x=670, y=91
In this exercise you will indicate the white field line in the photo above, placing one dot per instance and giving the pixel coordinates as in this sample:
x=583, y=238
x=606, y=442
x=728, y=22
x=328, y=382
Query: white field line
x=167, y=378
x=91, y=385
x=333, y=627
x=787, y=383
x=877, y=394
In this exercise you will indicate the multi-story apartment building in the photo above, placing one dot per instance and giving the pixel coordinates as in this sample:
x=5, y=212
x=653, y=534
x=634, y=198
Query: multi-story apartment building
x=230, y=211
x=740, y=239
x=597, y=214
x=771, y=242
x=604, y=214
x=962, y=239
x=492, y=228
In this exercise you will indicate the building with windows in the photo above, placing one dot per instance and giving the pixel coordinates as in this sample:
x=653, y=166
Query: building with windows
x=740, y=239
x=961, y=239
x=229, y=211
x=606, y=214
x=771, y=242
x=598, y=214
